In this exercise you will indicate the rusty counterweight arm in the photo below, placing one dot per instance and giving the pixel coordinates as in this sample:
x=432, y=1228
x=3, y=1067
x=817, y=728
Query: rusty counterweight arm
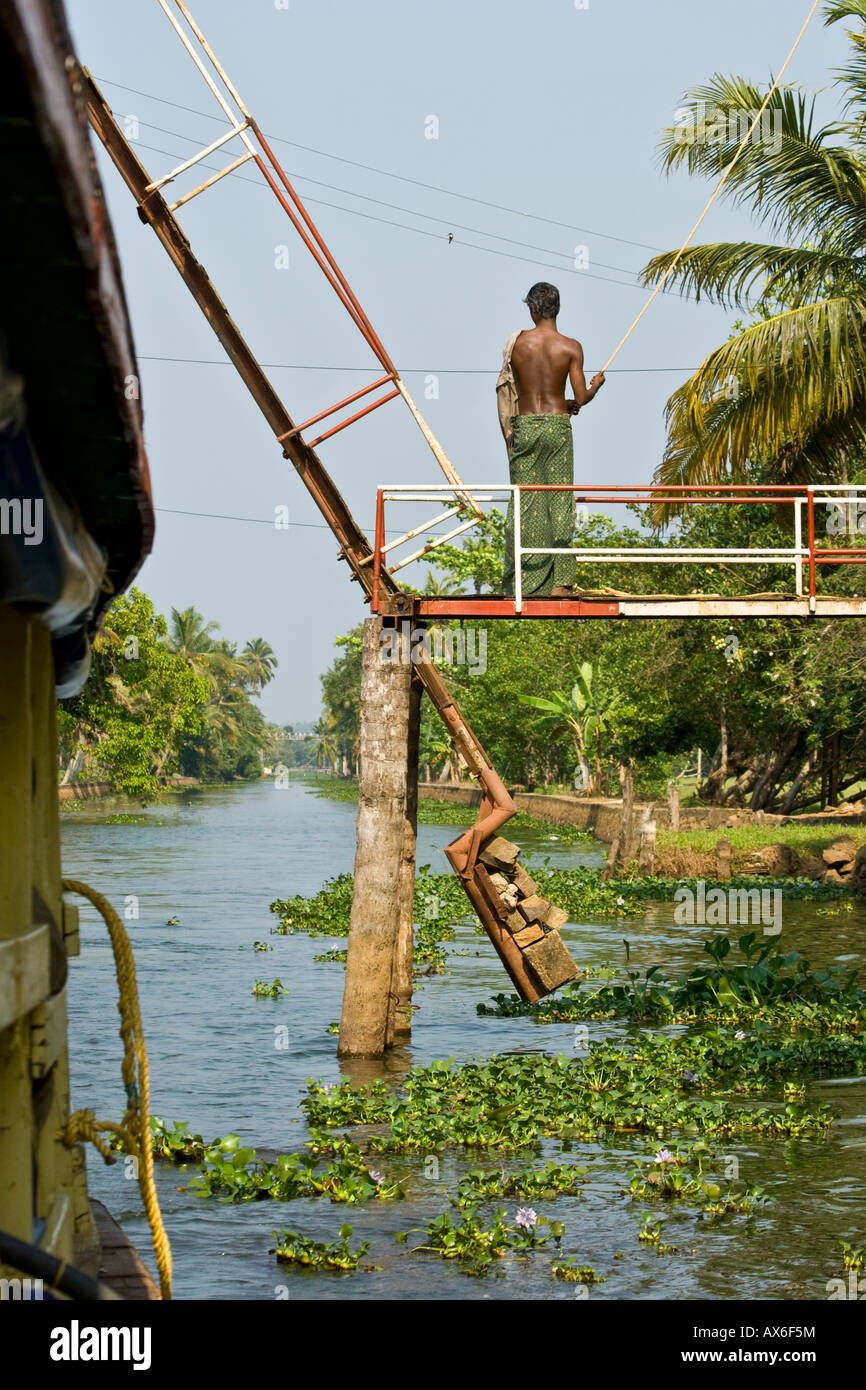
x=496, y=805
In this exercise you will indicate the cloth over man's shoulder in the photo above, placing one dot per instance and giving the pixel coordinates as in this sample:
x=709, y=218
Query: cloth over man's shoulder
x=506, y=389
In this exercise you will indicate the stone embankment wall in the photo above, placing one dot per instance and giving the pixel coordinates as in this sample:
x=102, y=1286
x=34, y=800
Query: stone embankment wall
x=602, y=816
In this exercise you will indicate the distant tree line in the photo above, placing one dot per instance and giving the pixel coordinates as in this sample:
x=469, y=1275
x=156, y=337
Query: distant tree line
x=170, y=697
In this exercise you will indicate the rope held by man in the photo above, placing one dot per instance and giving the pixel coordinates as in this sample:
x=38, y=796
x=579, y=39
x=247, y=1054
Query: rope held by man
x=718, y=188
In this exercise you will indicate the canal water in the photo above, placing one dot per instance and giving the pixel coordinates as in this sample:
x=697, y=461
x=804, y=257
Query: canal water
x=214, y=860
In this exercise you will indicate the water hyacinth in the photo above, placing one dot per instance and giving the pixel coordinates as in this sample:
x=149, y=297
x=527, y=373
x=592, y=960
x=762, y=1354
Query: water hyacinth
x=526, y=1218
x=664, y=1156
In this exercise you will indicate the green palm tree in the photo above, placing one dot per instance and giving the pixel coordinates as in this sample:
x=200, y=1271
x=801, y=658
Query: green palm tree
x=787, y=394
x=192, y=639
x=441, y=586
x=222, y=717
x=326, y=747
x=258, y=657
x=437, y=750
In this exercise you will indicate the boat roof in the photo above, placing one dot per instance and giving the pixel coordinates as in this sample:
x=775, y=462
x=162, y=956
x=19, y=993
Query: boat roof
x=64, y=314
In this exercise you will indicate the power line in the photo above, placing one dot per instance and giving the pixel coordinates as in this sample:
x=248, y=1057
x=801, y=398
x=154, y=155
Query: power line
x=419, y=231
x=405, y=371
x=256, y=520
x=395, y=207
x=223, y=516
x=402, y=178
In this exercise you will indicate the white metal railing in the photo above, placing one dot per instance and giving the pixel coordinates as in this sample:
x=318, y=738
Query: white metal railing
x=845, y=499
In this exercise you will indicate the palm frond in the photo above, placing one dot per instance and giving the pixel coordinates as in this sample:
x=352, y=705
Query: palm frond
x=726, y=272
x=853, y=73
x=790, y=174
x=791, y=389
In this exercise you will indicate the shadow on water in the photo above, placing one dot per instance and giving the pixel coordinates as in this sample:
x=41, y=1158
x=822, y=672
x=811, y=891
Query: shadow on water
x=214, y=860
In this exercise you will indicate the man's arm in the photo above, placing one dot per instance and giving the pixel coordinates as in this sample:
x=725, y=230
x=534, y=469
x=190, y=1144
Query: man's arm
x=583, y=394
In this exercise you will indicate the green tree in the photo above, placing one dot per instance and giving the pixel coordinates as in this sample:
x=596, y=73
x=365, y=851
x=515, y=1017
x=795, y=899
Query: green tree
x=141, y=701
x=787, y=392
x=191, y=638
x=586, y=713
x=259, y=659
x=339, y=729
x=478, y=560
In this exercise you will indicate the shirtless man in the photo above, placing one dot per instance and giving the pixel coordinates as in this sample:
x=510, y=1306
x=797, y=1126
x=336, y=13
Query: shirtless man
x=543, y=360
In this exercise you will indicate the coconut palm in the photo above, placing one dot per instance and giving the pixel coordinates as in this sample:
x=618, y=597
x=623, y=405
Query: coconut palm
x=258, y=657
x=441, y=586
x=326, y=747
x=192, y=639
x=786, y=395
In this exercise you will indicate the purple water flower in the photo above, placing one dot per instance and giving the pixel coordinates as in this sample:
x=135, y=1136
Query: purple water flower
x=328, y=1088
x=689, y=1077
x=664, y=1156
x=377, y=1177
x=526, y=1218
x=740, y=1035
x=620, y=902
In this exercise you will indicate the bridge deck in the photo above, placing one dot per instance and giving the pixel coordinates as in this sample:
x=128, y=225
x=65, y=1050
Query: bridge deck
x=652, y=606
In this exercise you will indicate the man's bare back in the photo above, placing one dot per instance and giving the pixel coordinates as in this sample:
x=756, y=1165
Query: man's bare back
x=543, y=360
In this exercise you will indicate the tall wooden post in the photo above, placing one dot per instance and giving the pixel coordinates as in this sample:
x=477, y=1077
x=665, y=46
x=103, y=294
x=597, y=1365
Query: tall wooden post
x=375, y=919
x=41, y=1179
x=623, y=843
x=400, y=1014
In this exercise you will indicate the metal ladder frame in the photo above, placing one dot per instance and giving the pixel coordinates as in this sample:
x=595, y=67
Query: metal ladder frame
x=497, y=806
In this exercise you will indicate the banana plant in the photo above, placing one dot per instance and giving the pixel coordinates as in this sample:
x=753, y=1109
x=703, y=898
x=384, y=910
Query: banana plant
x=585, y=714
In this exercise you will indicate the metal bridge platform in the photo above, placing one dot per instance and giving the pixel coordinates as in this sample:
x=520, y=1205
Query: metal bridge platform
x=403, y=605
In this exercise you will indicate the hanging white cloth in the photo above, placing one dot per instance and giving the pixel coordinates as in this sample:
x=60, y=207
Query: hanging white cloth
x=506, y=390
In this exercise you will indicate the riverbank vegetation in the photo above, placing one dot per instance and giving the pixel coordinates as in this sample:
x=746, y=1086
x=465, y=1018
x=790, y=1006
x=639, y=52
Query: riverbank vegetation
x=776, y=706
x=169, y=697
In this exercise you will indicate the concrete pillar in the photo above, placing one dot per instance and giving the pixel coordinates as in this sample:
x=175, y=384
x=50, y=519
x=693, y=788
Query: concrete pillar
x=647, y=852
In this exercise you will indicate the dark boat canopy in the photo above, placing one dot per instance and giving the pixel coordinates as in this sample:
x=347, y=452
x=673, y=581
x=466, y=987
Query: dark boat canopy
x=76, y=516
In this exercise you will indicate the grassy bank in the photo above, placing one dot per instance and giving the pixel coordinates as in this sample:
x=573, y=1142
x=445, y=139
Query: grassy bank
x=447, y=813
x=693, y=852
x=745, y=839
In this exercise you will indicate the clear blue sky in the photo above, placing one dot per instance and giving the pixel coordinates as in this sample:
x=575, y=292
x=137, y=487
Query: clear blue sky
x=548, y=110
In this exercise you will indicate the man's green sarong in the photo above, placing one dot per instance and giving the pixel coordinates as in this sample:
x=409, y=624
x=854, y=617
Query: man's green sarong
x=541, y=452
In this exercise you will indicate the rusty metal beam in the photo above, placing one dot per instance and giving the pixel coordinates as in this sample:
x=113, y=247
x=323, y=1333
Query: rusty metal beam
x=497, y=806
x=153, y=210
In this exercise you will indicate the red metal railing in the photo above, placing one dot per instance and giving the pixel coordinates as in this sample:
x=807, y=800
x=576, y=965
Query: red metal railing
x=810, y=555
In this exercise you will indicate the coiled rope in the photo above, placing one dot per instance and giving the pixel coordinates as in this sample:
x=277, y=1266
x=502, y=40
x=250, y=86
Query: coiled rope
x=134, y=1130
